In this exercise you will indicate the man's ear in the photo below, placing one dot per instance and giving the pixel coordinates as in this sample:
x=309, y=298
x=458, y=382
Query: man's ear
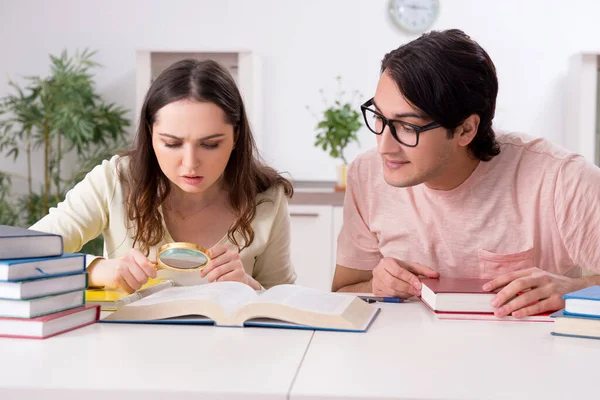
x=465, y=133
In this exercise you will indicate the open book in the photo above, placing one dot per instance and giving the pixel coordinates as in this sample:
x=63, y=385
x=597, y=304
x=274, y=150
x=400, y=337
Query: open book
x=236, y=304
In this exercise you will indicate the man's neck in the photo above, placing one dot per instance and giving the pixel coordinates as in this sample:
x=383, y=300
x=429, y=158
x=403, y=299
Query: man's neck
x=454, y=173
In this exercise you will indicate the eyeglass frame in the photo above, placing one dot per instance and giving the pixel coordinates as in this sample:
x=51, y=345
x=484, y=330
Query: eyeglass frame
x=390, y=123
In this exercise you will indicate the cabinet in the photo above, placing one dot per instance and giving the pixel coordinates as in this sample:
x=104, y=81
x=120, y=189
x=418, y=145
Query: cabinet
x=314, y=231
x=582, y=127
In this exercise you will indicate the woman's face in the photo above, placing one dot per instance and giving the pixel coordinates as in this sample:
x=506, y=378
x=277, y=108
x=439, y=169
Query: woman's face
x=192, y=142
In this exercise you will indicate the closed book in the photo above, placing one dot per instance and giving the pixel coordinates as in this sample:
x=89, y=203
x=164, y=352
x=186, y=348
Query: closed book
x=34, y=268
x=49, y=325
x=465, y=299
x=41, y=305
x=18, y=242
x=457, y=295
x=585, y=302
x=43, y=287
x=576, y=326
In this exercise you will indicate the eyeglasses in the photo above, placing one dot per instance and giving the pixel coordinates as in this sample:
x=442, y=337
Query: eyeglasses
x=405, y=133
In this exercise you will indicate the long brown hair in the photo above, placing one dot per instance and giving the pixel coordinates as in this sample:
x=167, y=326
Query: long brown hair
x=245, y=175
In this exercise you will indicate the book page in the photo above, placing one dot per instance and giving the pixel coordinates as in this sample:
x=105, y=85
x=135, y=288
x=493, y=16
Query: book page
x=229, y=295
x=306, y=299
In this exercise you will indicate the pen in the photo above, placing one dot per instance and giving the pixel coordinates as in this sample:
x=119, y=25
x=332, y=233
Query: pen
x=373, y=299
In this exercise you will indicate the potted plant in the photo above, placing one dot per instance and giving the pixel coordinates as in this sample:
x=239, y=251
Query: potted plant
x=337, y=128
x=58, y=114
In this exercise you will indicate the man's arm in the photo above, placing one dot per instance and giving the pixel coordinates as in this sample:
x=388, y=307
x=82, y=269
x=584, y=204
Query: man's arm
x=352, y=280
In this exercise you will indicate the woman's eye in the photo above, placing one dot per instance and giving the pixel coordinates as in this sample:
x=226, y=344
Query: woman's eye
x=210, y=145
x=172, y=145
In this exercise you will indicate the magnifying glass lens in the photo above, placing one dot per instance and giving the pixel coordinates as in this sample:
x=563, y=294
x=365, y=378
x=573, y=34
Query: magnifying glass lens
x=183, y=258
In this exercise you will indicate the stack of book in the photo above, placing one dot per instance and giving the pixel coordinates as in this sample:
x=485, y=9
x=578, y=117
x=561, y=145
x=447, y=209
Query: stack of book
x=465, y=299
x=42, y=289
x=581, y=315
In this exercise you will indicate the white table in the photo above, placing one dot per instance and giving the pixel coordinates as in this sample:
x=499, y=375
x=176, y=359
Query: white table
x=406, y=354
x=409, y=354
x=114, y=362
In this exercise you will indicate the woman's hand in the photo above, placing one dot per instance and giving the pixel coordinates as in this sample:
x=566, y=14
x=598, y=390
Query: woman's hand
x=129, y=272
x=226, y=265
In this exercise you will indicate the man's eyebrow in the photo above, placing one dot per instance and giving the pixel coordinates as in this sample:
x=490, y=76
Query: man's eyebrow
x=403, y=115
x=214, y=136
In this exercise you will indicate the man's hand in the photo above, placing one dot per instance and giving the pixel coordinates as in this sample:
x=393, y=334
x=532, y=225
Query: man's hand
x=538, y=291
x=394, y=278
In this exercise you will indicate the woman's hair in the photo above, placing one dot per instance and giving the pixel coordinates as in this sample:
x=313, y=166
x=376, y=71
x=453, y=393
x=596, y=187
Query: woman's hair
x=245, y=175
x=449, y=76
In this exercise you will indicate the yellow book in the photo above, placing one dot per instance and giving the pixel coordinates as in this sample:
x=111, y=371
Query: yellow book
x=113, y=299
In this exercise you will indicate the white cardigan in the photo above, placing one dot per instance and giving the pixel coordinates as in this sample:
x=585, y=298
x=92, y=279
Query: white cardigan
x=97, y=205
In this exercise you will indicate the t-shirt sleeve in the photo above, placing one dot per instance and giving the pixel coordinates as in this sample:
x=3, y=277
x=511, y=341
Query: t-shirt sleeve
x=357, y=246
x=577, y=210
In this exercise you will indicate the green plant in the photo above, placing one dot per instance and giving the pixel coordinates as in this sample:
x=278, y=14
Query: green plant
x=338, y=124
x=58, y=114
x=8, y=212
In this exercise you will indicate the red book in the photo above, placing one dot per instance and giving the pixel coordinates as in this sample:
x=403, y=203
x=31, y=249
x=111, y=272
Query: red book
x=455, y=298
x=49, y=325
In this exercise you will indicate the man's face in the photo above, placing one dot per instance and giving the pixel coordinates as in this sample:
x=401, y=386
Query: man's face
x=405, y=166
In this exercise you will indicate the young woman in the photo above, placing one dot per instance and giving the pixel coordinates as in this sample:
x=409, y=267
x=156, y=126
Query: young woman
x=192, y=176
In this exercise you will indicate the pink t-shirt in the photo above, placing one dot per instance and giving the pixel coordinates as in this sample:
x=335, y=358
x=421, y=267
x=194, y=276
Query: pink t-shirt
x=534, y=205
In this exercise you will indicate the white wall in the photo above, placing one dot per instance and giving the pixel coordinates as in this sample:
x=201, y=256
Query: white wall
x=303, y=45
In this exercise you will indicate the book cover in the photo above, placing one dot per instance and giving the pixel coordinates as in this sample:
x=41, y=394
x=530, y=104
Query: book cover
x=18, y=242
x=41, y=305
x=584, y=302
x=31, y=289
x=21, y=269
x=575, y=325
x=591, y=293
x=456, y=285
x=49, y=325
x=456, y=295
x=113, y=299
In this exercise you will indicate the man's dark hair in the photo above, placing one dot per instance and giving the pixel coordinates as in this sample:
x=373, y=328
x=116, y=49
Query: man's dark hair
x=448, y=76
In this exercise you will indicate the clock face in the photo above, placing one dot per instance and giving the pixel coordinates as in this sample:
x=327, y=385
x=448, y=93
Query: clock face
x=414, y=16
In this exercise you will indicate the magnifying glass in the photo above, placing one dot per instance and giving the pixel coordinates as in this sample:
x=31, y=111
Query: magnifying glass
x=182, y=256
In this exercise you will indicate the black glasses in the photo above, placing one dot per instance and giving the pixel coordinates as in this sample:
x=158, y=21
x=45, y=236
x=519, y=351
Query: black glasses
x=405, y=133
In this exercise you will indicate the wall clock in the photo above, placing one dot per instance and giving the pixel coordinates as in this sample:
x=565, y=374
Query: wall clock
x=414, y=16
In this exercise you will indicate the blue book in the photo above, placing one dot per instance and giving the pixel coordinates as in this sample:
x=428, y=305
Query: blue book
x=575, y=325
x=37, y=307
x=234, y=304
x=18, y=242
x=32, y=289
x=21, y=269
x=584, y=302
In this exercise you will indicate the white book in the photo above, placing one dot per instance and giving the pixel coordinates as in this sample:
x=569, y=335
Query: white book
x=236, y=304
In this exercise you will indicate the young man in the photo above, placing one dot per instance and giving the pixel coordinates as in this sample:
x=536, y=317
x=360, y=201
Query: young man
x=444, y=196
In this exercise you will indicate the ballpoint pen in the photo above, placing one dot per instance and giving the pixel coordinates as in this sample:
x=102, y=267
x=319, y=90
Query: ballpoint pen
x=374, y=299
